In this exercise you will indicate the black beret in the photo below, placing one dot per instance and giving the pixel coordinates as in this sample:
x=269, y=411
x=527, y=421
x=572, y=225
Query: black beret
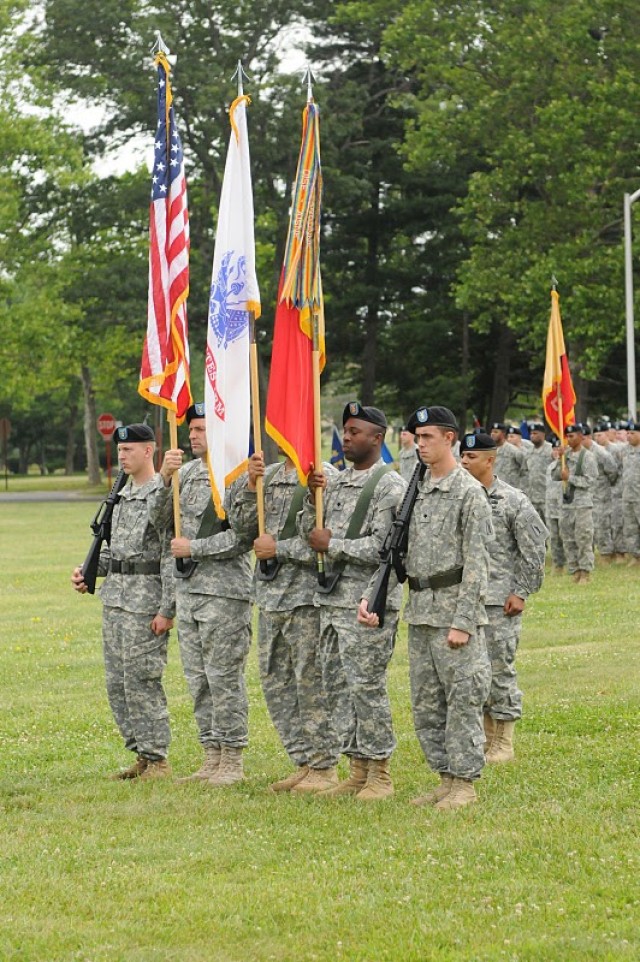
x=600, y=428
x=356, y=410
x=555, y=442
x=633, y=426
x=435, y=416
x=538, y=426
x=513, y=429
x=573, y=429
x=477, y=442
x=133, y=432
x=195, y=411
x=499, y=426
x=622, y=425
x=586, y=430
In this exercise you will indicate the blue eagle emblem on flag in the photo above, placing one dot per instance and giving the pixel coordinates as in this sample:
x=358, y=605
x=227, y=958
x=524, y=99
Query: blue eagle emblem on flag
x=228, y=317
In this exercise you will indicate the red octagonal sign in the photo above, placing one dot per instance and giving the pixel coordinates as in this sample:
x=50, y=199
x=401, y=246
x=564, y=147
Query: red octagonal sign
x=106, y=425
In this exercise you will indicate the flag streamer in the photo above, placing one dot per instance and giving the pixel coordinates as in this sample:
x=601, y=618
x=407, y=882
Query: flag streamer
x=558, y=395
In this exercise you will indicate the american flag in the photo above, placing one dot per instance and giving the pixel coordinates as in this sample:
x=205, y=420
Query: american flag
x=164, y=373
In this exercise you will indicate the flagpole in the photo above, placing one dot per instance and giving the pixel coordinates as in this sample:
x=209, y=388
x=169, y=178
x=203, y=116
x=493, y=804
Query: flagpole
x=175, y=480
x=255, y=411
x=317, y=436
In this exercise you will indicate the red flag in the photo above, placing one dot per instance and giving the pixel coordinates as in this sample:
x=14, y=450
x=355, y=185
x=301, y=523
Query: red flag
x=290, y=411
x=558, y=396
x=164, y=372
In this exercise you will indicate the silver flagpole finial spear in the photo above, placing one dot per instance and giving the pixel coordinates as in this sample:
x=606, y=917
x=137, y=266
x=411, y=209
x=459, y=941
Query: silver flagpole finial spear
x=309, y=78
x=554, y=282
x=240, y=74
x=160, y=46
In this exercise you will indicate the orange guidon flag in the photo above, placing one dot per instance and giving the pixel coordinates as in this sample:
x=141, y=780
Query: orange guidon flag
x=558, y=396
x=289, y=409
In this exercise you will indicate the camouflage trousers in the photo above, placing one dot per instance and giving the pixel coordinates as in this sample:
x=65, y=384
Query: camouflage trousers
x=576, y=531
x=617, y=523
x=134, y=660
x=502, y=635
x=214, y=635
x=555, y=542
x=354, y=673
x=449, y=687
x=631, y=524
x=603, y=527
x=291, y=676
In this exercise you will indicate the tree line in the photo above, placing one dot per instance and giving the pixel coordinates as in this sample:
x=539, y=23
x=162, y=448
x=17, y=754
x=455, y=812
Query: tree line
x=470, y=152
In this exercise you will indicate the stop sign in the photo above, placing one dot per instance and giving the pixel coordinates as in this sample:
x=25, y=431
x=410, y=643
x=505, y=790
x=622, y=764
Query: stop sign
x=106, y=425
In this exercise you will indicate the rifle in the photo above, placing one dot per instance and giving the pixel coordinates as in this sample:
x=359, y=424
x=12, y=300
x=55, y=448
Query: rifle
x=101, y=527
x=394, y=549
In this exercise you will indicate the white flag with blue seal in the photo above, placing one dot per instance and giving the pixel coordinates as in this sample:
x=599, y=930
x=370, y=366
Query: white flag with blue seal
x=234, y=294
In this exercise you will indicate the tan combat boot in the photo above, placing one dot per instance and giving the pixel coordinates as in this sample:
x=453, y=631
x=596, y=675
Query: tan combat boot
x=606, y=559
x=355, y=782
x=379, y=784
x=502, y=746
x=286, y=784
x=583, y=578
x=620, y=558
x=634, y=561
x=316, y=780
x=576, y=576
x=437, y=794
x=230, y=770
x=134, y=771
x=489, y=731
x=209, y=767
x=462, y=793
x=159, y=769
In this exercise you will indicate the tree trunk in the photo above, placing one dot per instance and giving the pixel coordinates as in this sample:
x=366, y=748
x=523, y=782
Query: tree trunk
x=501, y=377
x=90, y=432
x=24, y=453
x=70, y=451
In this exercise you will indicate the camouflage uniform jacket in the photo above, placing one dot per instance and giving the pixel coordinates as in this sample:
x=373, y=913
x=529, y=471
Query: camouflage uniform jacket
x=135, y=536
x=631, y=475
x=407, y=461
x=518, y=550
x=296, y=581
x=537, y=461
x=359, y=557
x=583, y=485
x=224, y=565
x=450, y=528
x=553, y=500
x=511, y=465
x=607, y=473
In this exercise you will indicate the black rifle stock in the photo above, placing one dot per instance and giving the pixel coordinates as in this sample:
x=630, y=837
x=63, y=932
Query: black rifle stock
x=101, y=527
x=394, y=549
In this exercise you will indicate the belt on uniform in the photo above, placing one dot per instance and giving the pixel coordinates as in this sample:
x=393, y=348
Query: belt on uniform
x=134, y=567
x=443, y=580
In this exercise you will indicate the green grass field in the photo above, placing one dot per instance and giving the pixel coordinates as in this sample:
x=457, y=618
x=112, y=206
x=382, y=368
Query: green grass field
x=545, y=868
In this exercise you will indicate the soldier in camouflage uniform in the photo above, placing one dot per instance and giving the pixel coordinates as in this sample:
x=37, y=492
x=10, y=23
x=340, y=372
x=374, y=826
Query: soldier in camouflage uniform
x=511, y=461
x=354, y=659
x=576, y=516
x=288, y=623
x=517, y=570
x=631, y=493
x=617, y=446
x=408, y=456
x=447, y=565
x=538, y=460
x=553, y=507
x=213, y=606
x=602, y=496
x=138, y=608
